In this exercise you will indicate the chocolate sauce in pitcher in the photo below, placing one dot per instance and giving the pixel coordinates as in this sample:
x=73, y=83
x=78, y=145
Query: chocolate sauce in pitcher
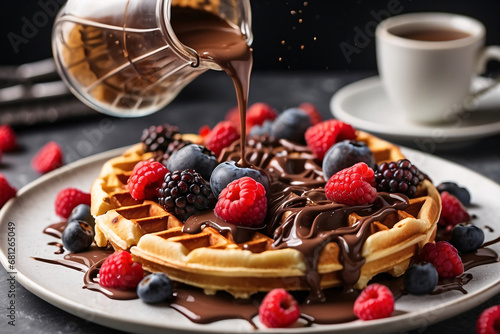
x=217, y=40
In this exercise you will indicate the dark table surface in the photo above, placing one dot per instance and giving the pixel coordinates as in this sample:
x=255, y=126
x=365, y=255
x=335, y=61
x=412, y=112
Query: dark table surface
x=205, y=101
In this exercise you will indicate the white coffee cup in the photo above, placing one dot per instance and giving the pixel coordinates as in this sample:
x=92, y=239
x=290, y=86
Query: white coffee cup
x=426, y=62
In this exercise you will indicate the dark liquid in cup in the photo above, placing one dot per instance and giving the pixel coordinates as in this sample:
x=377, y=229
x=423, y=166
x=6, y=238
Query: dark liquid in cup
x=434, y=34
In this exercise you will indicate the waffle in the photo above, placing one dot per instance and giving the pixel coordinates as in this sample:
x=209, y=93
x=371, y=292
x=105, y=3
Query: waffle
x=214, y=258
x=109, y=190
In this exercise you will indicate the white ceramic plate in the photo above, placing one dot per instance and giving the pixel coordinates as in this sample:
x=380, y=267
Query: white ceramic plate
x=33, y=210
x=365, y=105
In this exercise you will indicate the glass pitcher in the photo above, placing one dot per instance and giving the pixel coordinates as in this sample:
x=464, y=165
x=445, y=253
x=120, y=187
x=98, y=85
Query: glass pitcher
x=122, y=57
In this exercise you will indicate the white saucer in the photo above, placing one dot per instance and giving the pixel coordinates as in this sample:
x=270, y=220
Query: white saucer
x=365, y=105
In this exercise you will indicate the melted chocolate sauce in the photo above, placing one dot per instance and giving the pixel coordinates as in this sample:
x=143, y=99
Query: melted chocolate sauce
x=456, y=283
x=216, y=40
x=480, y=257
x=336, y=307
x=309, y=227
x=203, y=309
x=489, y=243
x=59, y=245
x=55, y=230
x=296, y=182
x=81, y=261
x=196, y=223
x=87, y=262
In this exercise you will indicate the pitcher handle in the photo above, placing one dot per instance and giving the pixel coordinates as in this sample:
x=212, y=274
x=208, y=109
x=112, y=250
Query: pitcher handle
x=488, y=53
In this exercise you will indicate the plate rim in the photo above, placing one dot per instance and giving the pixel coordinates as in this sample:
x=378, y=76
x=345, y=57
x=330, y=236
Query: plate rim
x=452, y=134
x=402, y=322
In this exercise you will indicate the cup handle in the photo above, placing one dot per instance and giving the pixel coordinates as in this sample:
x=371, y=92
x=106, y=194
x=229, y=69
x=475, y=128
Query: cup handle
x=488, y=53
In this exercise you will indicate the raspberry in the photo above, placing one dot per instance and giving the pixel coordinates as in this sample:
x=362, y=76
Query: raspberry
x=489, y=321
x=6, y=190
x=221, y=136
x=48, y=158
x=184, y=193
x=204, y=131
x=313, y=113
x=322, y=136
x=346, y=131
x=139, y=165
x=452, y=212
x=145, y=180
x=444, y=257
x=374, y=302
x=258, y=113
x=233, y=116
x=242, y=202
x=68, y=198
x=8, y=139
x=353, y=185
x=398, y=177
x=278, y=309
x=119, y=271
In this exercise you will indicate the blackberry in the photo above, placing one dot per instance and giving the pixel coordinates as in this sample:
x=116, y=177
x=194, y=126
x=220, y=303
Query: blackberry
x=185, y=192
x=398, y=177
x=158, y=137
x=173, y=147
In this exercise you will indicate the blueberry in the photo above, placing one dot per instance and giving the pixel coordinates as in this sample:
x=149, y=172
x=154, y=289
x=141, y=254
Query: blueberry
x=82, y=212
x=291, y=124
x=454, y=189
x=196, y=157
x=261, y=130
x=155, y=288
x=228, y=171
x=345, y=154
x=466, y=238
x=420, y=278
x=77, y=236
